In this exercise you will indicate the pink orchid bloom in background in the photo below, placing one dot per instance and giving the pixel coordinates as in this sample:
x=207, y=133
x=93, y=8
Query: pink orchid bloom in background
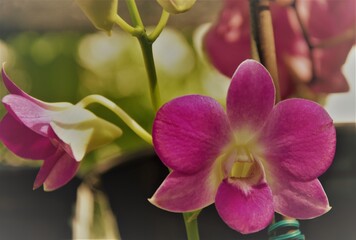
x=325, y=21
x=256, y=159
x=59, y=133
x=227, y=43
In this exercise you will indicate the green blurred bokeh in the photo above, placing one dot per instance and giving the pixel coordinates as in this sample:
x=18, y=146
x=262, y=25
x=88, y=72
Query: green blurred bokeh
x=67, y=66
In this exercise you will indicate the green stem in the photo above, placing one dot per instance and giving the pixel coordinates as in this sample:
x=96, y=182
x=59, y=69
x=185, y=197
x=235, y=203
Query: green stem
x=190, y=219
x=119, y=112
x=134, y=13
x=146, y=47
x=160, y=26
x=191, y=224
x=135, y=31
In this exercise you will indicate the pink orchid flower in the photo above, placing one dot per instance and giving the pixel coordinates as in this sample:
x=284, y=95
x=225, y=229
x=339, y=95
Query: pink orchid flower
x=227, y=43
x=59, y=133
x=256, y=159
x=332, y=26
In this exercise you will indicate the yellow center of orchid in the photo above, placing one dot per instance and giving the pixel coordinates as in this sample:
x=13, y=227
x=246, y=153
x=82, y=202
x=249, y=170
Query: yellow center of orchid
x=239, y=158
x=243, y=165
x=241, y=169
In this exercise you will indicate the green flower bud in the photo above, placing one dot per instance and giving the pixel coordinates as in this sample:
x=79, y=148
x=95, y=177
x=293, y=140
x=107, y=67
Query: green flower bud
x=176, y=6
x=101, y=13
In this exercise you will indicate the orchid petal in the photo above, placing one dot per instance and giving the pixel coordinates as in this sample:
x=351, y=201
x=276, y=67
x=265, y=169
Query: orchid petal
x=101, y=13
x=245, y=208
x=75, y=126
x=229, y=36
x=250, y=97
x=189, y=133
x=330, y=78
x=299, y=139
x=29, y=113
x=22, y=141
x=184, y=192
x=83, y=131
x=302, y=200
x=336, y=15
x=56, y=171
x=336, y=83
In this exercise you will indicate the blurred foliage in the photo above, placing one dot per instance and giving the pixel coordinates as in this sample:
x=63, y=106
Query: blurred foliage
x=67, y=66
x=93, y=217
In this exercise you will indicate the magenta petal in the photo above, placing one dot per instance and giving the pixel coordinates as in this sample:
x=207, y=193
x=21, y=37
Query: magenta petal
x=302, y=200
x=227, y=43
x=330, y=78
x=189, y=133
x=336, y=83
x=22, y=141
x=245, y=208
x=300, y=140
x=29, y=113
x=250, y=97
x=181, y=192
x=56, y=171
x=336, y=15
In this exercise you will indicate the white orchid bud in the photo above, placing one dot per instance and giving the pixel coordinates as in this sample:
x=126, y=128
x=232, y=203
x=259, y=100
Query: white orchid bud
x=176, y=6
x=101, y=13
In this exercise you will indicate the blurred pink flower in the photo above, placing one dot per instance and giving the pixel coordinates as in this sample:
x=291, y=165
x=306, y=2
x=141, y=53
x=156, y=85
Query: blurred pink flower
x=227, y=43
x=58, y=133
x=254, y=159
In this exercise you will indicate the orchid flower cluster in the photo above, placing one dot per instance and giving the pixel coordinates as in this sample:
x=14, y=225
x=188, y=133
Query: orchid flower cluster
x=252, y=157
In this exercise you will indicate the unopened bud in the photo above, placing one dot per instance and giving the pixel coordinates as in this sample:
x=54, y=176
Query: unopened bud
x=101, y=13
x=176, y=6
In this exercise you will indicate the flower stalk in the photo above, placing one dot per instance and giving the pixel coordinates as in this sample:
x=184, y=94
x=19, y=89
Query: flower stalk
x=134, y=31
x=160, y=26
x=135, y=127
x=191, y=224
x=146, y=41
x=146, y=47
x=134, y=13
